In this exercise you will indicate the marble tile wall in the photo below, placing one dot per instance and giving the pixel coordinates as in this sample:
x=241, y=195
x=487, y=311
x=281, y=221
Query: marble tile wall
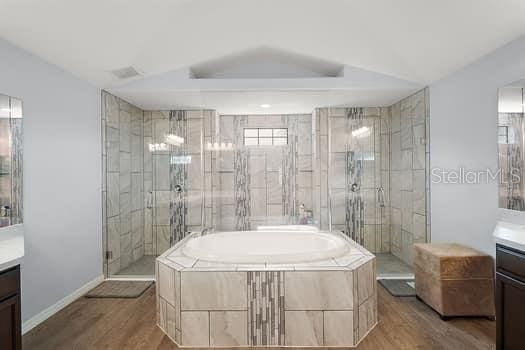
x=250, y=186
x=409, y=166
x=261, y=185
x=123, y=187
x=158, y=163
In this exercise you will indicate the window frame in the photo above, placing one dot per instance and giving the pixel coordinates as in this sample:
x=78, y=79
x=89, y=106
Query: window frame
x=265, y=138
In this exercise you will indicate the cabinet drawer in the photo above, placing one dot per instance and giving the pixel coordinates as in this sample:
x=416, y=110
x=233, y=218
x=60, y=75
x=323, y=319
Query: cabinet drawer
x=9, y=282
x=510, y=261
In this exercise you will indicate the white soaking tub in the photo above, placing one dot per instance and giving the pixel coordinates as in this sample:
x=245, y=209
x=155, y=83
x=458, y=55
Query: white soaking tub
x=273, y=287
x=277, y=247
x=293, y=228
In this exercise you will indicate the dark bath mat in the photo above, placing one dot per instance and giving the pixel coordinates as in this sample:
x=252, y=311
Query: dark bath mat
x=119, y=289
x=399, y=287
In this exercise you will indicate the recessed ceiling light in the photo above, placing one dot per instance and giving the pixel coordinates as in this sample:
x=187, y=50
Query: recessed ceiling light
x=265, y=105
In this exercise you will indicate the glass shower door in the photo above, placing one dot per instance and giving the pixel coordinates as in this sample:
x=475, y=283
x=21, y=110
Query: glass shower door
x=178, y=176
x=354, y=181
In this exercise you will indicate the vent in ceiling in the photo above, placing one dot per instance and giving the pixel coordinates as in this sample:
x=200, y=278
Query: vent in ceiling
x=125, y=73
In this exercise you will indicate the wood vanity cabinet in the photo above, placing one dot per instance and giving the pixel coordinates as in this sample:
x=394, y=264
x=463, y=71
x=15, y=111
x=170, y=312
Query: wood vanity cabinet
x=510, y=298
x=10, y=319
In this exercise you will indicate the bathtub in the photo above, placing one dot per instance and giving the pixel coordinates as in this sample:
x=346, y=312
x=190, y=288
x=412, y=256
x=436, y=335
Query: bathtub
x=291, y=228
x=278, y=247
x=266, y=288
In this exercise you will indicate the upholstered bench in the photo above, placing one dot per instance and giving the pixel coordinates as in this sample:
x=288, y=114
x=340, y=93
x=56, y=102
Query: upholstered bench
x=454, y=280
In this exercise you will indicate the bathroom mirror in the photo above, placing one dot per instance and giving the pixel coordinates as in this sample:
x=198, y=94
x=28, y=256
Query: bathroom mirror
x=511, y=156
x=10, y=161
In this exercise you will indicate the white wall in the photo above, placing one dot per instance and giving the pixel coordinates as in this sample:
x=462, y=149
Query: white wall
x=463, y=119
x=62, y=178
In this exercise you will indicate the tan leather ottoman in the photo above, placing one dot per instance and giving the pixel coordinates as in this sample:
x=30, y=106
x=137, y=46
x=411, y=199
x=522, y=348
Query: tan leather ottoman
x=454, y=280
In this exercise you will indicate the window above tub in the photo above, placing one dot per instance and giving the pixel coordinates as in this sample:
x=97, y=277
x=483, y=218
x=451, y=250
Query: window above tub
x=265, y=136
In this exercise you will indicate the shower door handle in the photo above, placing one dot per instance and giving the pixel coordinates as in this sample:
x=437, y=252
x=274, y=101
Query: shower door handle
x=329, y=211
x=149, y=200
x=381, y=197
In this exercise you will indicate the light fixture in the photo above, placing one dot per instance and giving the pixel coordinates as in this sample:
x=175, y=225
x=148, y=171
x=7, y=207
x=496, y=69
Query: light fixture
x=361, y=132
x=222, y=146
x=174, y=140
x=6, y=109
x=156, y=147
x=265, y=105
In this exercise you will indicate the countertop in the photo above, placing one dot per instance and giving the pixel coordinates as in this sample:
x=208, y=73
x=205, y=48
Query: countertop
x=11, y=246
x=510, y=235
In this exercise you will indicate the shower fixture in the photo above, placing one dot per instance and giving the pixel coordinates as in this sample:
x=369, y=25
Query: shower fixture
x=381, y=197
x=178, y=188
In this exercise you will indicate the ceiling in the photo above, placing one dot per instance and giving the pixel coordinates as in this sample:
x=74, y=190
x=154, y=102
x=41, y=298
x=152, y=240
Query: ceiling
x=415, y=41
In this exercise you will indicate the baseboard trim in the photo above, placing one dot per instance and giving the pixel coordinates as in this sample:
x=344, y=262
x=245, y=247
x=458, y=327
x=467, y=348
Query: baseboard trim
x=59, y=305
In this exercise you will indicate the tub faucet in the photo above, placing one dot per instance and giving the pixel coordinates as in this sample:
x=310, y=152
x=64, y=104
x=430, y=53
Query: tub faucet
x=206, y=231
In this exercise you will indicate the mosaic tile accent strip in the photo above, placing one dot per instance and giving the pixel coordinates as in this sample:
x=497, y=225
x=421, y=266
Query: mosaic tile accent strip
x=354, y=218
x=178, y=177
x=289, y=173
x=241, y=178
x=266, y=308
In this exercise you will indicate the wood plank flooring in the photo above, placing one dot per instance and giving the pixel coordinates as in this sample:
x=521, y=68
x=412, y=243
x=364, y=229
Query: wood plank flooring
x=404, y=323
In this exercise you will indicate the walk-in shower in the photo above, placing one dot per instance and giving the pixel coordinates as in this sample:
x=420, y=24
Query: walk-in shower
x=362, y=171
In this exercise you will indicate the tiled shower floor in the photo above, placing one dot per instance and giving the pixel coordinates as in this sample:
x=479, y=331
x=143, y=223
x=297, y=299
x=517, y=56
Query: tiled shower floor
x=388, y=265
x=145, y=266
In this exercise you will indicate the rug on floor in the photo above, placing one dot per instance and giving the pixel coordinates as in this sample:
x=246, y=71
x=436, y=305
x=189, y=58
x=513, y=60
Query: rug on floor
x=399, y=287
x=119, y=289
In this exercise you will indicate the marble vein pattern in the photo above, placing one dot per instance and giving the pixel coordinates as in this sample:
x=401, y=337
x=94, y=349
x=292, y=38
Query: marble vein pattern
x=311, y=290
x=228, y=328
x=304, y=328
x=213, y=290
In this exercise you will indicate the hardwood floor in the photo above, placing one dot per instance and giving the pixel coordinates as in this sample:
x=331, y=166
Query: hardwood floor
x=404, y=323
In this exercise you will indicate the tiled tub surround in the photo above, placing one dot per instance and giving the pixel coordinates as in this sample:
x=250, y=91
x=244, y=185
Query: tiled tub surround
x=331, y=302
